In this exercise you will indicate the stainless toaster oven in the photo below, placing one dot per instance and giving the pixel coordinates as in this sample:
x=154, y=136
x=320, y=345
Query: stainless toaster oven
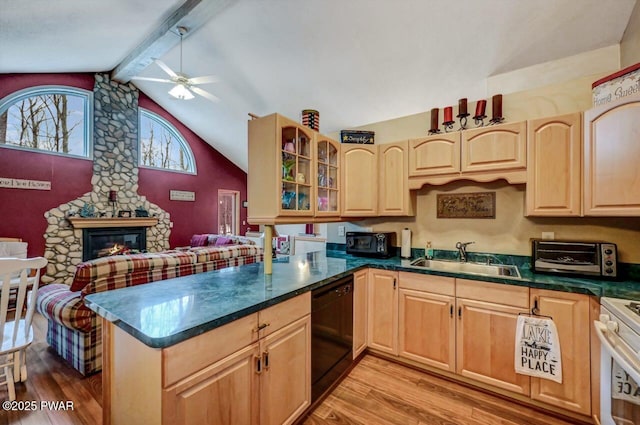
x=580, y=258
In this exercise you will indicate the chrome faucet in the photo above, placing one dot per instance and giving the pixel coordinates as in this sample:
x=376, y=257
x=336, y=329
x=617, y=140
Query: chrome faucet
x=462, y=250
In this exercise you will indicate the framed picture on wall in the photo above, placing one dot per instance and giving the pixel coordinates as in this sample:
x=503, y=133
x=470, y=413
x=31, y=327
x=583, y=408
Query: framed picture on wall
x=124, y=213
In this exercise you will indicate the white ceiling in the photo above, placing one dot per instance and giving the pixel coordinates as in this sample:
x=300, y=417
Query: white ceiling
x=355, y=61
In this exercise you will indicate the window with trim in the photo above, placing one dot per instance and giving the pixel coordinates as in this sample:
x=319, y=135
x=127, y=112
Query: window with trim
x=53, y=119
x=162, y=146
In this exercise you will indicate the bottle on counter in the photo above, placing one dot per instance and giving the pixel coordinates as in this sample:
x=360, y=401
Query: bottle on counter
x=428, y=253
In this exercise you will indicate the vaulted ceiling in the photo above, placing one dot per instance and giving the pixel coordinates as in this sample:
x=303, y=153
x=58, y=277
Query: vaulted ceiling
x=355, y=61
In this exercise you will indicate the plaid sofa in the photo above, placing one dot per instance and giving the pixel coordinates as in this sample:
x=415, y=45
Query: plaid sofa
x=75, y=332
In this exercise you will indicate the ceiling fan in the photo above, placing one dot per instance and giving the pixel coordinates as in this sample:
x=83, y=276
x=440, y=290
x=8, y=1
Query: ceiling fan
x=184, y=86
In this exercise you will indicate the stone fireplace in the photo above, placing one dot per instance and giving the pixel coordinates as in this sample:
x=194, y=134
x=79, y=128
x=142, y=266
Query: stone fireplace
x=115, y=167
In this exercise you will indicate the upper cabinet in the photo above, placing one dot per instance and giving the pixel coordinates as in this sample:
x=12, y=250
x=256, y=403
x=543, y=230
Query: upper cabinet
x=294, y=172
x=554, y=172
x=359, y=180
x=611, y=158
x=328, y=175
x=480, y=154
x=394, y=195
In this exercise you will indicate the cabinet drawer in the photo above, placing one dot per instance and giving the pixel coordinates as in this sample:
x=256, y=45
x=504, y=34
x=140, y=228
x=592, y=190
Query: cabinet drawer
x=516, y=296
x=280, y=315
x=428, y=283
x=185, y=358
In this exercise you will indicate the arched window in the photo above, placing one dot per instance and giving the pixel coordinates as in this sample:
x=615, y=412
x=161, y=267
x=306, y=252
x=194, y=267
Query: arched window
x=54, y=119
x=162, y=146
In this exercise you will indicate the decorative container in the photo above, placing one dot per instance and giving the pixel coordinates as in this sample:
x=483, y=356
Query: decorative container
x=311, y=119
x=623, y=83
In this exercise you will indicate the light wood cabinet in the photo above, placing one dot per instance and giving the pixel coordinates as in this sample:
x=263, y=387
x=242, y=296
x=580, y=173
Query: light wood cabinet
x=426, y=324
x=395, y=199
x=360, y=290
x=295, y=173
x=611, y=157
x=554, y=171
x=328, y=175
x=487, y=315
x=382, y=318
x=570, y=313
x=435, y=155
x=260, y=375
x=359, y=194
x=500, y=147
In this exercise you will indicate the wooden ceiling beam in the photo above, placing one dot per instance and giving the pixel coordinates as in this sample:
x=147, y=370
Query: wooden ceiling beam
x=192, y=14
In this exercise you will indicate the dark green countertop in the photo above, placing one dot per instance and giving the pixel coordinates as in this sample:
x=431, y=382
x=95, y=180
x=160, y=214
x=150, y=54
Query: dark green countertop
x=164, y=313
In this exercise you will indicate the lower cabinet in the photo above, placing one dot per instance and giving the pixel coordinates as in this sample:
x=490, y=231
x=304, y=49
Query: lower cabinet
x=426, y=323
x=360, y=290
x=570, y=313
x=255, y=370
x=382, y=317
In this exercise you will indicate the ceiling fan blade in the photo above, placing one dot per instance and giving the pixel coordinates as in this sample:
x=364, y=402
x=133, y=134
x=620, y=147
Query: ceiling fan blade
x=159, y=80
x=166, y=69
x=203, y=80
x=204, y=94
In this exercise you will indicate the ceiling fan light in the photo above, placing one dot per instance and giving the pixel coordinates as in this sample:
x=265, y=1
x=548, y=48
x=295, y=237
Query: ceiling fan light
x=181, y=92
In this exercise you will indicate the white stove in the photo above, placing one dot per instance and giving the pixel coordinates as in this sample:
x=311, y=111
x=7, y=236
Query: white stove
x=618, y=329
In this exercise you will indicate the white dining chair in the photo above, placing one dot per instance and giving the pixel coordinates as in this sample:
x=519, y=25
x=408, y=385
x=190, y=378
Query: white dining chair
x=16, y=332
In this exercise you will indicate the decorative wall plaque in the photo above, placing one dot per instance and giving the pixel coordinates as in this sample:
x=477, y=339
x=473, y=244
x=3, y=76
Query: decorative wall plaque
x=467, y=205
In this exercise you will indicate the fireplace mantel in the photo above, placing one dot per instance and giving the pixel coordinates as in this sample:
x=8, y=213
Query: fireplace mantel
x=86, y=223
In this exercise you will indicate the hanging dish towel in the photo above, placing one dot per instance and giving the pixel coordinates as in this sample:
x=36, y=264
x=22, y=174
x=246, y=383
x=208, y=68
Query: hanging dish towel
x=538, y=348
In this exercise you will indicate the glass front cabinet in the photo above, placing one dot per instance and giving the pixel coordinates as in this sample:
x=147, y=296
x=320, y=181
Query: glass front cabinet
x=294, y=172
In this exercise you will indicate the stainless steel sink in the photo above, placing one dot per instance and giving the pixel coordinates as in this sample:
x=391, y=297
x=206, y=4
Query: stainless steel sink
x=467, y=267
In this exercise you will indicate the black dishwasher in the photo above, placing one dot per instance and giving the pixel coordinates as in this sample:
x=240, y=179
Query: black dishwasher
x=331, y=333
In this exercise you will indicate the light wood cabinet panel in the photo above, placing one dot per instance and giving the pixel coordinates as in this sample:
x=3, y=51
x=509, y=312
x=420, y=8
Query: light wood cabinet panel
x=435, y=155
x=426, y=328
x=554, y=157
x=225, y=393
x=360, y=289
x=500, y=147
x=394, y=196
x=486, y=343
x=570, y=313
x=285, y=384
x=359, y=194
x=611, y=158
x=382, y=332
x=327, y=173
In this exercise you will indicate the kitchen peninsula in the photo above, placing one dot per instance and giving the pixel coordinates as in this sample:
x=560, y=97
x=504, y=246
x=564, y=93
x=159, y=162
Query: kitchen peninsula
x=172, y=344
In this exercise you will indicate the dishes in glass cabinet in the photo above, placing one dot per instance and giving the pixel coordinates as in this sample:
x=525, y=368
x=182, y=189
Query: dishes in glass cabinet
x=287, y=169
x=287, y=197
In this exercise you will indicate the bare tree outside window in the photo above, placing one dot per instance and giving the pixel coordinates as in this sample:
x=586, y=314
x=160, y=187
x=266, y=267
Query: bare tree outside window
x=50, y=122
x=161, y=146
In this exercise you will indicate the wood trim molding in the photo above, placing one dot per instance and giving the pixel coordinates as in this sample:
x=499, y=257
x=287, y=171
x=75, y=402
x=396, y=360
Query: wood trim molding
x=85, y=223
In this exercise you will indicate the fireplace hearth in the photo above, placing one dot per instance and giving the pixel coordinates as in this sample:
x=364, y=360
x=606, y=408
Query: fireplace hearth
x=103, y=242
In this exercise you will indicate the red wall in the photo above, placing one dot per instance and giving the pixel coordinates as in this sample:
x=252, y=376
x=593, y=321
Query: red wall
x=22, y=211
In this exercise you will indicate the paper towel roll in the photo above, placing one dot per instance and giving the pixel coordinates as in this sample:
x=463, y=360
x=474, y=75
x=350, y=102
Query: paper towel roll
x=405, y=249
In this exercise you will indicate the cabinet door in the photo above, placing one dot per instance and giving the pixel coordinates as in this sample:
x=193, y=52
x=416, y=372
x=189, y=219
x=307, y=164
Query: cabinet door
x=382, y=333
x=360, y=281
x=611, y=157
x=435, y=155
x=295, y=150
x=500, y=147
x=426, y=331
x=225, y=393
x=570, y=313
x=328, y=176
x=285, y=383
x=554, y=156
x=394, y=195
x=359, y=194
x=486, y=343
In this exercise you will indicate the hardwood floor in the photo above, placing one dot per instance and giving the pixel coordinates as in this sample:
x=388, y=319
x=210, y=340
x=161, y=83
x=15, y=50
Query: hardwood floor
x=381, y=392
x=375, y=392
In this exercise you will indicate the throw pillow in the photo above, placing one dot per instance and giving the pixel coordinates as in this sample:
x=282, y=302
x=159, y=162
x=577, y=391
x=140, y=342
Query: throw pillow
x=198, y=240
x=223, y=241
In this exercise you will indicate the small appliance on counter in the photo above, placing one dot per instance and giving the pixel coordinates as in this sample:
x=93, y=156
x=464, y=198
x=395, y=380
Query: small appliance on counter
x=577, y=258
x=371, y=244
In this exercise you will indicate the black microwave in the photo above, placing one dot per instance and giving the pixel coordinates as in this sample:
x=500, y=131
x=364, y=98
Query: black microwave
x=371, y=244
x=580, y=258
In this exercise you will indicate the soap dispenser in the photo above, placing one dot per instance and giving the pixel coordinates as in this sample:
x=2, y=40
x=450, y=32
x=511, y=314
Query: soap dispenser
x=428, y=253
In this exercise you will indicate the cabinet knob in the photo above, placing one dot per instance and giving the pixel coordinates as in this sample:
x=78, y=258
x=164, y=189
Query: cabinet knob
x=265, y=360
x=258, y=360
